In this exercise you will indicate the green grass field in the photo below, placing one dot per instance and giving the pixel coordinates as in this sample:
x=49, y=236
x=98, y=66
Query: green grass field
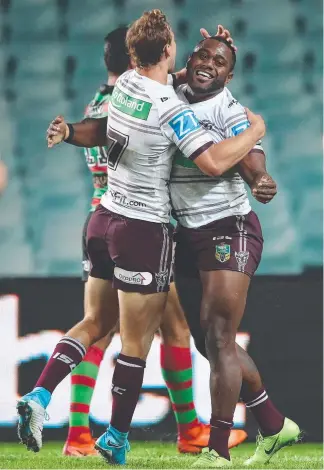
x=152, y=455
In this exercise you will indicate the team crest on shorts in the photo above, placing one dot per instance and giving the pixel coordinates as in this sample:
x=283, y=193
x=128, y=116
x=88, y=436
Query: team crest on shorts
x=223, y=252
x=242, y=259
x=161, y=278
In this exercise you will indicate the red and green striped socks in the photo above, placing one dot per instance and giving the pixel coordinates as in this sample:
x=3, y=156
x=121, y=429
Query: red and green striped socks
x=176, y=368
x=84, y=378
x=177, y=372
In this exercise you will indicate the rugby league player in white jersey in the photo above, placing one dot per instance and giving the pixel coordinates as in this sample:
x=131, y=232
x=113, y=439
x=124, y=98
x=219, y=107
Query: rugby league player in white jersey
x=129, y=236
x=219, y=245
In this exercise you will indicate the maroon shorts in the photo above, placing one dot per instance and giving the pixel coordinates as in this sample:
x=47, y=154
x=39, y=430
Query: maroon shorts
x=234, y=243
x=135, y=254
x=85, y=256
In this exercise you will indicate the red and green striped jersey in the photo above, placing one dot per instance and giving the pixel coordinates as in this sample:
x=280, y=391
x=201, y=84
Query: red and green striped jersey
x=96, y=157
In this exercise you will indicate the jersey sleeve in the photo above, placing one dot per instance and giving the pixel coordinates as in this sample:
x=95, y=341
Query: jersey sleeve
x=180, y=125
x=235, y=121
x=99, y=111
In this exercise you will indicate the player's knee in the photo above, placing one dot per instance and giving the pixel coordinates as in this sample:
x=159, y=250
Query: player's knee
x=137, y=346
x=96, y=327
x=175, y=335
x=219, y=335
x=219, y=344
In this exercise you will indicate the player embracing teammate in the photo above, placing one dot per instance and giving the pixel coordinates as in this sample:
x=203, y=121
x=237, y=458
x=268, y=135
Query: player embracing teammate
x=129, y=233
x=175, y=355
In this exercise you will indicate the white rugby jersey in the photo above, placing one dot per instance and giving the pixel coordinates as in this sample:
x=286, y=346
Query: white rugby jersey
x=198, y=199
x=146, y=123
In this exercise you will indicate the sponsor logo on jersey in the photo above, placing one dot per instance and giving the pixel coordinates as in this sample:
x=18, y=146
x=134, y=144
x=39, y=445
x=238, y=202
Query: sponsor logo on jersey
x=127, y=104
x=207, y=124
x=242, y=259
x=164, y=99
x=131, y=277
x=232, y=103
x=120, y=199
x=240, y=127
x=222, y=252
x=184, y=123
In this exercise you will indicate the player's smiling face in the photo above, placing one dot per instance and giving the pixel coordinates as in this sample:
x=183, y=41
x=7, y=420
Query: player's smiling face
x=209, y=67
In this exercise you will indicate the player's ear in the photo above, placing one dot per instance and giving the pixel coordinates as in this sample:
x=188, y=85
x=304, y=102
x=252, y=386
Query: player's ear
x=166, y=50
x=229, y=77
x=188, y=60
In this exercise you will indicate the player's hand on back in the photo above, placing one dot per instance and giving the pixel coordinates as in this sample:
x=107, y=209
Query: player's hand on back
x=263, y=188
x=58, y=131
x=221, y=31
x=257, y=123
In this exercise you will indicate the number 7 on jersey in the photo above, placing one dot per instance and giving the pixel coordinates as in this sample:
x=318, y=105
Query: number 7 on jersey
x=117, y=144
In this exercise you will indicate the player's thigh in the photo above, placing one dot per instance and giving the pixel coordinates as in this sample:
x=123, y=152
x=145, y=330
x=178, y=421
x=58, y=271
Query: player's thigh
x=227, y=253
x=223, y=300
x=174, y=327
x=142, y=254
x=188, y=284
x=97, y=246
x=111, y=306
x=140, y=317
x=101, y=303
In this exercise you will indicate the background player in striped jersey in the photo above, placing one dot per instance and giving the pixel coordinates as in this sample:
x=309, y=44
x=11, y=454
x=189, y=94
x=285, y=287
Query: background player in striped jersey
x=221, y=237
x=175, y=348
x=132, y=236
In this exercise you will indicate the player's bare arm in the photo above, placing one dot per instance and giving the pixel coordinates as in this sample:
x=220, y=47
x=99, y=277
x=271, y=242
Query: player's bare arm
x=222, y=156
x=253, y=170
x=89, y=132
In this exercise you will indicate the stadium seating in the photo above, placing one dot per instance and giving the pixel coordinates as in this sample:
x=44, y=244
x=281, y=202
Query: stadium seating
x=51, y=63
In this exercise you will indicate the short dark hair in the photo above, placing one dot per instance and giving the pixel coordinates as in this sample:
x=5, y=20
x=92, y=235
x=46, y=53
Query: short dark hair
x=116, y=54
x=147, y=38
x=228, y=44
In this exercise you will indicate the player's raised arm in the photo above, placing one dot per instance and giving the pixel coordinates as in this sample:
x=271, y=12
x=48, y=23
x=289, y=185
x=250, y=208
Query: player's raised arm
x=90, y=132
